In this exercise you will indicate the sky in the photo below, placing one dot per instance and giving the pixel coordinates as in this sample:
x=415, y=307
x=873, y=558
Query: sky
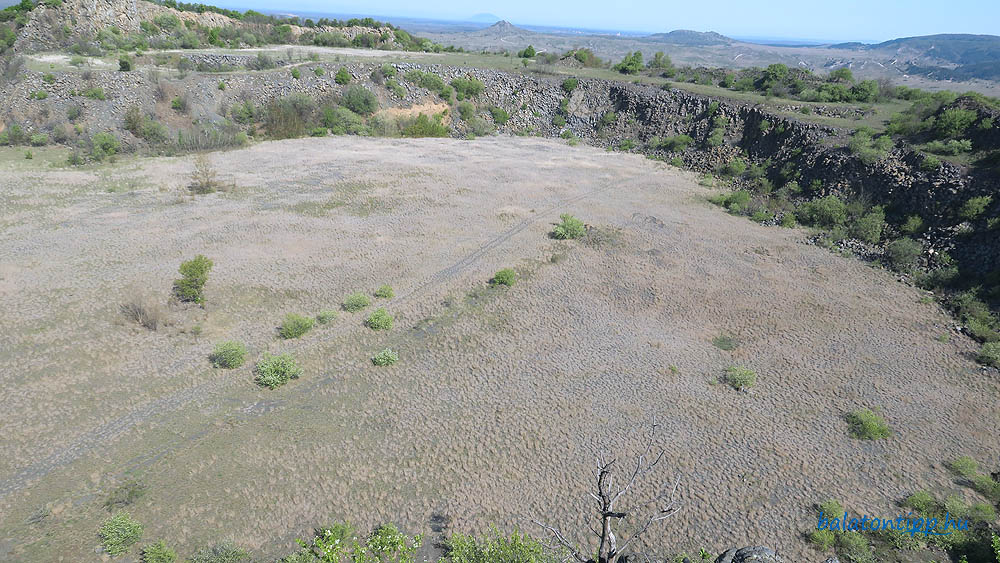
x=870, y=20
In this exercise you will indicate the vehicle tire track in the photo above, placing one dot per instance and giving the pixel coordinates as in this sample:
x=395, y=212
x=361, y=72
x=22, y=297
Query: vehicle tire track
x=90, y=440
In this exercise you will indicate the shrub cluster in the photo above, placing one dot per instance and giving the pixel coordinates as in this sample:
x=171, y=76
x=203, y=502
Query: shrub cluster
x=229, y=355
x=119, y=532
x=356, y=302
x=569, y=228
x=295, y=326
x=505, y=277
x=386, y=357
x=379, y=319
x=195, y=273
x=275, y=371
x=866, y=424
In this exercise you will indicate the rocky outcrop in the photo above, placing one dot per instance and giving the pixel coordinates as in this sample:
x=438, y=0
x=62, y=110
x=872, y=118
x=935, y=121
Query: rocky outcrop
x=756, y=554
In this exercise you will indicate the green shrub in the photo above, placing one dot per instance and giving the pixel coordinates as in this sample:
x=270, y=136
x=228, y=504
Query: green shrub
x=39, y=140
x=388, y=70
x=396, y=88
x=119, y=532
x=229, y=355
x=853, y=547
x=296, y=73
x=342, y=77
x=831, y=507
x=195, y=273
x=424, y=126
x=921, y=501
x=569, y=228
x=158, y=553
x=951, y=147
x=94, y=93
x=496, y=548
x=385, y=292
x=295, y=326
x=953, y=122
x=324, y=317
x=125, y=63
x=318, y=71
x=677, y=143
x=466, y=111
x=385, y=358
x=38, y=95
x=466, y=88
x=500, y=115
x=827, y=212
x=902, y=254
x=608, y=119
x=505, y=276
x=740, y=378
x=724, y=342
x=570, y=84
x=48, y=78
x=930, y=164
x=275, y=371
x=379, y=319
x=558, y=120
x=103, y=145
x=866, y=424
x=342, y=121
x=868, y=147
x=179, y=103
x=822, y=539
x=974, y=207
x=964, y=466
x=735, y=202
x=869, y=226
x=360, y=100
x=355, y=302
x=913, y=225
x=989, y=355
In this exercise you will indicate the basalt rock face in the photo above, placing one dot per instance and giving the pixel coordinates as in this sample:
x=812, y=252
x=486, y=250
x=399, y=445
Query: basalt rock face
x=755, y=554
x=816, y=153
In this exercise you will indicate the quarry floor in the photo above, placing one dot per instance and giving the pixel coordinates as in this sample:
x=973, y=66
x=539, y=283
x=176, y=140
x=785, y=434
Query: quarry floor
x=502, y=398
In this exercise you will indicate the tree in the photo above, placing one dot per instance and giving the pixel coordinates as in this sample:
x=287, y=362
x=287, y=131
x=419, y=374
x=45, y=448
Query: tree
x=660, y=61
x=866, y=91
x=631, y=64
x=613, y=540
x=842, y=75
x=527, y=53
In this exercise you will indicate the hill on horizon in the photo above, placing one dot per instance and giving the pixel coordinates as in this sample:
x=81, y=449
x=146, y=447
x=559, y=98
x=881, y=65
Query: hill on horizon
x=689, y=37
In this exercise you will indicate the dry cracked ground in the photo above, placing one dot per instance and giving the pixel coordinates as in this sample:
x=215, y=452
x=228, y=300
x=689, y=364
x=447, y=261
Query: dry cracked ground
x=502, y=399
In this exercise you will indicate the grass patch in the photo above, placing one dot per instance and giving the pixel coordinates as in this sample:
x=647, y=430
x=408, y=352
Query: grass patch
x=866, y=424
x=274, y=371
x=385, y=292
x=724, y=342
x=228, y=355
x=158, y=553
x=124, y=495
x=324, y=317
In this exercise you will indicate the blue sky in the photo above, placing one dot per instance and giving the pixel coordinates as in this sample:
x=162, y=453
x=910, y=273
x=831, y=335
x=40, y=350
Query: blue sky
x=876, y=20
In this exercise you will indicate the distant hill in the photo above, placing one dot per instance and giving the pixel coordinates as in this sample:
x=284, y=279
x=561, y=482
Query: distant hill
x=501, y=29
x=688, y=37
x=484, y=18
x=947, y=56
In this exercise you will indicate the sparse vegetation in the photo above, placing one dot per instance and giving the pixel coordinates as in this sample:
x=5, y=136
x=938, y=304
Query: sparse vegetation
x=324, y=317
x=274, y=371
x=989, y=355
x=143, y=311
x=228, y=355
x=385, y=292
x=158, y=553
x=124, y=495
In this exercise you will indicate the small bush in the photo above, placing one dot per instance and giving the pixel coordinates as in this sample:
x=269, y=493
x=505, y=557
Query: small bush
x=360, y=100
x=974, y=207
x=342, y=77
x=119, y=532
x=356, y=302
x=94, y=93
x=295, y=326
x=158, y=553
x=318, y=71
x=854, y=548
x=228, y=355
x=385, y=292
x=866, y=424
x=569, y=228
x=570, y=84
x=424, y=126
x=179, y=103
x=965, y=466
x=195, y=273
x=466, y=88
x=913, y=225
x=324, y=317
x=103, y=145
x=921, y=501
x=379, y=319
x=989, y=355
x=740, y=378
x=124, y=495
x=827, y=212
x=500, y=115
x=505, y=276
x=724, y=342
x=125, y=64
x=902, y=254
x=466, y=111
x=220, y=553
x=385, y=358
x=496, y=548
x=822, y=539
x=275, y=371
x=869, y=226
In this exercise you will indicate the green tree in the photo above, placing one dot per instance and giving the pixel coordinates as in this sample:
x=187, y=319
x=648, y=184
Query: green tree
x=631, y=64
x=953, y=122
x=842, y=75
x=660, y=61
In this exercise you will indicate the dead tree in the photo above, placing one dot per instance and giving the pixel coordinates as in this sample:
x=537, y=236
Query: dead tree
x=615, y=536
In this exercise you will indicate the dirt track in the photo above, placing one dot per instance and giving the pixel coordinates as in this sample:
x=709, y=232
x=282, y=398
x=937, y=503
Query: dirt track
x=501, y=400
